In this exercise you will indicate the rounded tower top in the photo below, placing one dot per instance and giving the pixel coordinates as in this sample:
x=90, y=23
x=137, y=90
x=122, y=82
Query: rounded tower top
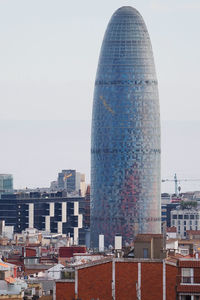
x=126, y=40
x=127, y=14
x=126, y=10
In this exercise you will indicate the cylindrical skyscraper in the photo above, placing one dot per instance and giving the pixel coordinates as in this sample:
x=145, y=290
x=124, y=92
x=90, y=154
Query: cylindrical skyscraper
x=125, y=147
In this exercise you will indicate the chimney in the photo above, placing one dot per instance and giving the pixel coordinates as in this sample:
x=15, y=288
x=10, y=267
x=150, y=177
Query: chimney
x=118, y=242
x=101, y=243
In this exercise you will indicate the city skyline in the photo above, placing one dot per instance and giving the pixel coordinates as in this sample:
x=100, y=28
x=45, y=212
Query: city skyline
x=52, y=157
x=41, y=65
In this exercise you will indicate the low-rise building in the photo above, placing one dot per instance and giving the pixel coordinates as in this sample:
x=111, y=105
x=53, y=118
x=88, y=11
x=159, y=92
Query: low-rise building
x=120, y=278
x=11, y=287
x=188, y=279
x=172, y=246
x=55, y=271
x=149, y=246
x=171, y=233
x=193, y=234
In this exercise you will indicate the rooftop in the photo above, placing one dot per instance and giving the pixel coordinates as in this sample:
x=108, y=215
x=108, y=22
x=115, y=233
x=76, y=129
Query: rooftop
x=147, y=237
x=194, y=232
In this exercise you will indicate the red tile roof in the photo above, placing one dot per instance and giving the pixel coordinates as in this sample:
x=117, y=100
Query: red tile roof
x=194, y=232
x=178, y=255
x=188, y=242
x=171, y=229
x=10, y=280
x=4, y=265
x=193, y=263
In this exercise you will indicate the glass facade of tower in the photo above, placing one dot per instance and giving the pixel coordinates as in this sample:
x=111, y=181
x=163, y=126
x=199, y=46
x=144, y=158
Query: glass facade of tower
x=125, y=146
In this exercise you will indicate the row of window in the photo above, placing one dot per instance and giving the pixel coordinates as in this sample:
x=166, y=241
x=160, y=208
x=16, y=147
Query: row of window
x=186, y=217
x=179, y=223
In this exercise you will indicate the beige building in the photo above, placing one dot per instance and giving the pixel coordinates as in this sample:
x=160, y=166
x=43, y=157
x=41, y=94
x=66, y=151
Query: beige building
x=149, y=246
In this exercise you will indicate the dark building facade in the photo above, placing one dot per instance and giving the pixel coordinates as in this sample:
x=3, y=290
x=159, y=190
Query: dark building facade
x=67, y=180
x=125, y=145
x=87, y=207
x=169, y=208
x=50, y=212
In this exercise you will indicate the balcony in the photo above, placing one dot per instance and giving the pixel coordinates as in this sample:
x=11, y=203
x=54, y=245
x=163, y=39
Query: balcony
x=188, y=284
x=192, y=280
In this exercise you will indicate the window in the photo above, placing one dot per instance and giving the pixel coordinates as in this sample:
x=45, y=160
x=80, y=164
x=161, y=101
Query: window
x=180, y=216
x=187, y=275
x=192, y=217
x=67, y=274
x=145, y=252
x=174, y=216
x=185, y=297
x=186, y=217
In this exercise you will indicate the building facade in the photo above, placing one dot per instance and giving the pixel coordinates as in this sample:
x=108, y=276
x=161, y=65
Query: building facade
x=125, y=145
x=165, y=199
x=184, y=220
x=119, y=279
x=133, y=279
x=6, y=184
x=53, y=212
x=67, y=180
x=71, y=181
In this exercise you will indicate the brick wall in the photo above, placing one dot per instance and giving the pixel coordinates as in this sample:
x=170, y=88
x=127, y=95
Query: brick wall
x=171, y=275
x=151, y=281
x=65, y=290
x=95, y=282
x=126, y=278
x=197, y=275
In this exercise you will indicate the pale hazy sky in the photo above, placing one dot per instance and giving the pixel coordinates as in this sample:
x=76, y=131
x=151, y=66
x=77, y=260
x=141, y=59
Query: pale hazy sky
x=48, y=59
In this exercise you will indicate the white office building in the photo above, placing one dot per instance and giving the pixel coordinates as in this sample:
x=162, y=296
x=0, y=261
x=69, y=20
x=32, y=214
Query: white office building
x=185, y=219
